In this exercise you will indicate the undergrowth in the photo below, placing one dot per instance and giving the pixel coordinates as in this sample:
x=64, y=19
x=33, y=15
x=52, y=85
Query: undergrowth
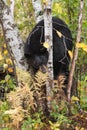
x=24, y=107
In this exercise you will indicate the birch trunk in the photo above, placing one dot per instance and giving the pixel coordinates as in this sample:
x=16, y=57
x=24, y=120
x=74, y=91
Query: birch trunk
x=75, y=55
x=49, y=39
x=12, y=7
x=38, y=10
x=12, y=37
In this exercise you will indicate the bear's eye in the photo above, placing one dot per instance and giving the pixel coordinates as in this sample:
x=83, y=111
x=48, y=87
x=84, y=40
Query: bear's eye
x=29, y=55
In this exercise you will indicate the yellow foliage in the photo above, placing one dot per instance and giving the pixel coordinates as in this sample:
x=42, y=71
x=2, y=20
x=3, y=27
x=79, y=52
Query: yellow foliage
x=59, y=33
x=57, y=8
x=4, y=45
x=9, y=61
x=82, y=46
x=45, y=2
x=54, y=126
x=78, y=128
x=46, y=45
x=5, y=66
x=1, y=58
x=82, y=128
x=70, y=54
x=5, y=52
x=75, y=98
x=11, y=70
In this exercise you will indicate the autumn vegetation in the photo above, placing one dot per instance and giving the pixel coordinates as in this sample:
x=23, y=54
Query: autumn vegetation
x=22, y=96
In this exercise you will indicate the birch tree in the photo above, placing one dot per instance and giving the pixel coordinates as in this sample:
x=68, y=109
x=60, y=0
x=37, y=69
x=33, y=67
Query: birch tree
x=38, y=10
x=11, y=34
x=12, y=7
x=48, y=40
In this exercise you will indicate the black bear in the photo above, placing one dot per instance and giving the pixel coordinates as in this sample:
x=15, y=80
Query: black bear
x=37, y=55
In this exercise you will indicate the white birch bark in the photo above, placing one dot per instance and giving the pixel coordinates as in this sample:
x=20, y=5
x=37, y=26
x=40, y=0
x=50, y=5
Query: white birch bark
x=38, y=10
x=12, y=7
x=49, y=39
x=12, y=38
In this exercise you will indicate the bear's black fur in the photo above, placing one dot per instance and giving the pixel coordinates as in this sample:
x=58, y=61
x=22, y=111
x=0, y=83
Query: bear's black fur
x=37, y=54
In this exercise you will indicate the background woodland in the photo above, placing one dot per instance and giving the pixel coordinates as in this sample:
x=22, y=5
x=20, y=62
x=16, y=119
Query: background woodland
x=19, y=109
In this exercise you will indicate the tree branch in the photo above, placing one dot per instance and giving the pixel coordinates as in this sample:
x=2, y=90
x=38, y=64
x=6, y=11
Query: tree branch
x=75, y=55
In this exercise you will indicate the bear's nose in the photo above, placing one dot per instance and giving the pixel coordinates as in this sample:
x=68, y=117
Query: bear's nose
x=43, y=68
x=36, y=65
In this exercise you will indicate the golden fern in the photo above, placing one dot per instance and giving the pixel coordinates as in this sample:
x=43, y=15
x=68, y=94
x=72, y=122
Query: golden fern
x=39, y=89
x=21, y=97
x=40, y=78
